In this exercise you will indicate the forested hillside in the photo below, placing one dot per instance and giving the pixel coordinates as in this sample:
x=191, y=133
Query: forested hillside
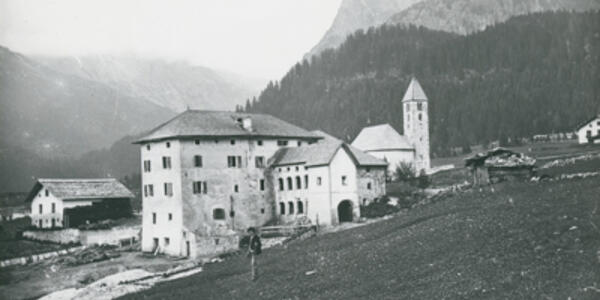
x=533, y=74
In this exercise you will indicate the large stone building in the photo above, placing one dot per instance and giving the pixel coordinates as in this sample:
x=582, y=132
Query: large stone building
x=207, y=175
x=384, y=142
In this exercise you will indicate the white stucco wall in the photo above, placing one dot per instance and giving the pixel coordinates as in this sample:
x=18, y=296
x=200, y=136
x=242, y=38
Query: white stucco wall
x=394, y=157
x=46, y=202
x=342, y=165
x=159, y=203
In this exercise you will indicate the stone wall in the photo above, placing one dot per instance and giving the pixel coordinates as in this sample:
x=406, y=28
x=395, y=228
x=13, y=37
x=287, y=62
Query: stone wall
x=208, y=245
x=373, y=177
x=37, y=257
x=111, y=236
x=62, y=236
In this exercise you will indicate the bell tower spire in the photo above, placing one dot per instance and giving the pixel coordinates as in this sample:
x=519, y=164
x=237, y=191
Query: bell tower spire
x=416, y=123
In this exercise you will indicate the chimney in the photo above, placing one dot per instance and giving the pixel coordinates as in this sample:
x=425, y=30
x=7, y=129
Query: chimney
x=246, y=123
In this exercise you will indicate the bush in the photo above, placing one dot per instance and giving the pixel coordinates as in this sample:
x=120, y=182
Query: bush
x=405, y=172
x=378, y=208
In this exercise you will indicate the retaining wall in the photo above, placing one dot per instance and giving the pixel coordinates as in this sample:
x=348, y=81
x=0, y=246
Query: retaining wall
x=111, y=236
x=37, y=257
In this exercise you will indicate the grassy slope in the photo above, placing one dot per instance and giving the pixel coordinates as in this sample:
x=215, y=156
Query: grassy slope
x=476, y=245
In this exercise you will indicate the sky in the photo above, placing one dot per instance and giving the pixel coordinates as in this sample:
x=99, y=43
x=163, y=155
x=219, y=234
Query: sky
x=256, y=38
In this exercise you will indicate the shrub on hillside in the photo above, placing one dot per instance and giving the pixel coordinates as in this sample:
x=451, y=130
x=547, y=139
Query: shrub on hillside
x=378, y=208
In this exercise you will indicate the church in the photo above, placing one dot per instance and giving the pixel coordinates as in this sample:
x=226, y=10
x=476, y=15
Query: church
x=384, y=142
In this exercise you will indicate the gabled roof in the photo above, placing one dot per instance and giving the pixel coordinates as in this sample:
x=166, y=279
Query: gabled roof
x=363, y=159
x=322, y=153
x=313, y=155
x=414, y=91
x=71, y=189
x=381, y=137
x=581, y=125
x=202, y=123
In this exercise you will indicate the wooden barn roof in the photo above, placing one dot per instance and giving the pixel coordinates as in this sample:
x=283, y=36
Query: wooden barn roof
x=202, y=123
x=72, y=189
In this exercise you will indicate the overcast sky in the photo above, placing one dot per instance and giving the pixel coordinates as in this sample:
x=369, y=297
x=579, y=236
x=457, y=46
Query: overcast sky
x=258, y=38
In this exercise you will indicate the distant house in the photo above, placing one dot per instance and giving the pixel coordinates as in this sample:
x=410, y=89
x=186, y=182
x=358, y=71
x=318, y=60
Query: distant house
x=12, y=212
x=384, y=142
x=589, y=132
x=499, y=164
x=71, y=202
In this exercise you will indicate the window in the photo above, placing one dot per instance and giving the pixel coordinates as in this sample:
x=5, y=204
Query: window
x=299, y=143
x=319, y=180
x=281, y=184
x=40, y=209
x=147, y=166
x=368, y=170
x=588, y=134
x=259, y=142
x=344, y=180
x=148, y=147
x=300, y=207
x=407, y=107
x=298, y=182
x=281, y=208
x=47, y=193
x=153, y=218
x=234, y=161
x=198, y=161
x=420, y=117
x=262, y=184
x=167, y=241
x=150, y=190
x=297, y=168
x=290, y=208
x=419, y=106
x=53, y=207
x=197, y=142
x=199, y=187
x=170, y=216
x=290, y=183
x=166, y=160
x=236, y=188
x=232, y=142
x=282, y=143
x=306, y=181
x=168, y=145
x=218, y=214
x=168, y=189
x=369, y=186
x=262, y=211
x=259, y=161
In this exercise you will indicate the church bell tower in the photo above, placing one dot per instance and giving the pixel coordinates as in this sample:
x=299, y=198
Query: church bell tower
x=416, y=124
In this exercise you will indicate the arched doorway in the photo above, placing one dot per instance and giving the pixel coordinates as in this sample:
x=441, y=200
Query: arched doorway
x=345, y=211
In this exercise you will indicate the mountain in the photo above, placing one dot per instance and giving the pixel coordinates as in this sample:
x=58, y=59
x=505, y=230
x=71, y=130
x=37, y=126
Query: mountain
x=51, y=113
x=358, y=14
x=175, y=85
x=532, y=74
x=467, y=16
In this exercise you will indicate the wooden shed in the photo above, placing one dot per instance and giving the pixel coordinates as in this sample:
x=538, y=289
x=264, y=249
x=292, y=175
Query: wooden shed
x=500, y=164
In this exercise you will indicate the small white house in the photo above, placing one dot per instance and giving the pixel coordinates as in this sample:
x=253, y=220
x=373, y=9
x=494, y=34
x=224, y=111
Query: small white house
x=51, y=199
x=589, y=132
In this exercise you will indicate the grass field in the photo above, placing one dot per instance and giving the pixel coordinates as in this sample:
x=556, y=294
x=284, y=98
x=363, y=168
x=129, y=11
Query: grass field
x=522, y=241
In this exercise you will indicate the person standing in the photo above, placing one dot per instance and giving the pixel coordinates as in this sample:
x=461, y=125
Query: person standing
x=254, y=249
